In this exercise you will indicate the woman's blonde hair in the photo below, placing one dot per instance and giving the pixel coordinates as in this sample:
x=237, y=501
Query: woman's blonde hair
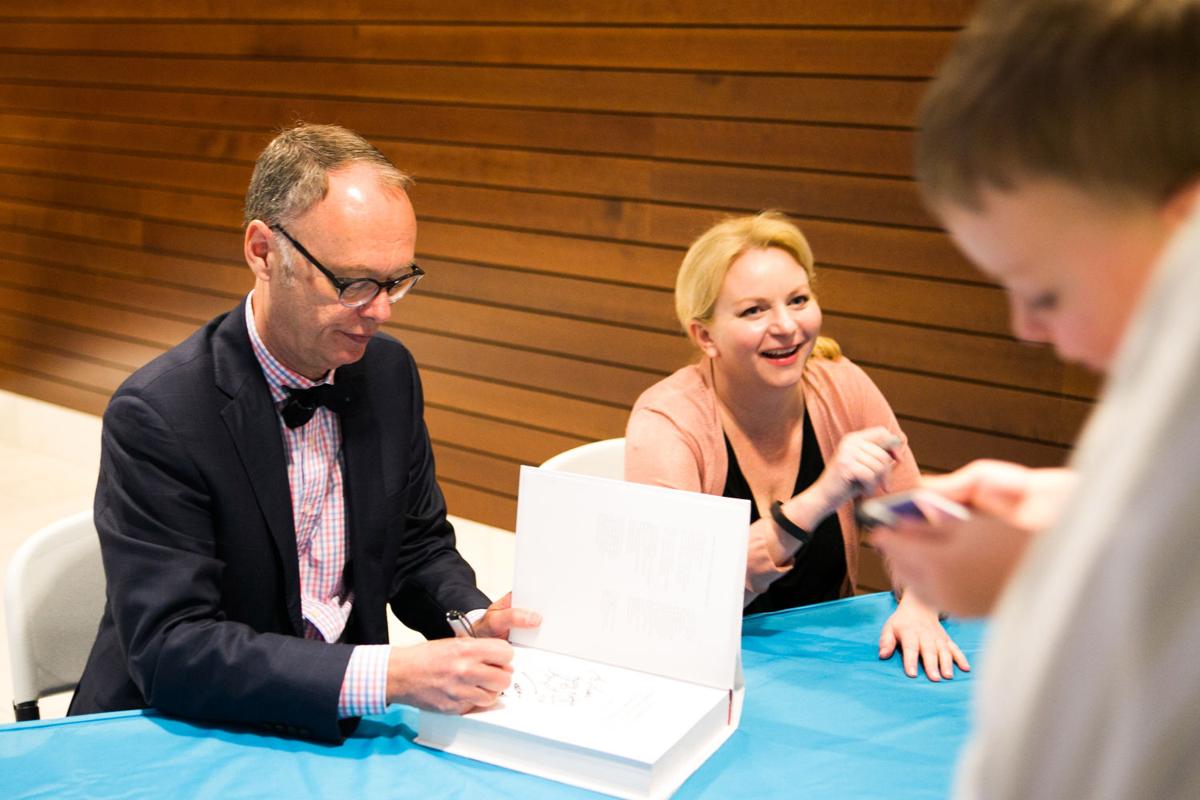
x=708, y=260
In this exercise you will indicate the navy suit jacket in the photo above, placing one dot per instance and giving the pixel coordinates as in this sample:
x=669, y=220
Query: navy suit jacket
x=195, y=519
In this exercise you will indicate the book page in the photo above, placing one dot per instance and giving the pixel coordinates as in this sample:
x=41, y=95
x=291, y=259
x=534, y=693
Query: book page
x=597, y=706
x=637, y=576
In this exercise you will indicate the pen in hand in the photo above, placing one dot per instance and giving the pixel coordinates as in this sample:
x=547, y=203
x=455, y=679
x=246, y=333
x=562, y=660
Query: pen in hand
x=460, y=623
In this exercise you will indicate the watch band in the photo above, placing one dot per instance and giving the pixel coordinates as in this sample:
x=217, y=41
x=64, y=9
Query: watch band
x=801, y=535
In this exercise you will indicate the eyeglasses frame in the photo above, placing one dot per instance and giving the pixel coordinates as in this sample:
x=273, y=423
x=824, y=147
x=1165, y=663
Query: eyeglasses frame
x=342, y=284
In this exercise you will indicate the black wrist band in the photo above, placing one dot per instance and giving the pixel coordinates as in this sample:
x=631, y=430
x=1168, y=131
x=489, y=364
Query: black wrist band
x=801, y=535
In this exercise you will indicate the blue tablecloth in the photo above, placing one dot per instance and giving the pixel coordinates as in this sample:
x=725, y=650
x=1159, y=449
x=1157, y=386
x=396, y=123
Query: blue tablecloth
x=824, y=717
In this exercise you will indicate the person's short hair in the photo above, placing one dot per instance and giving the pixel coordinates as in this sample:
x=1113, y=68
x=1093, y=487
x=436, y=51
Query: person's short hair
x=292, y=172
x=1100, y=94
x=708, y=260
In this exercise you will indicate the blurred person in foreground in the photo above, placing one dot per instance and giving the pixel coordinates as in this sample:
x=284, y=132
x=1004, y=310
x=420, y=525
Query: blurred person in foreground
x=775, y=414
x=1060, y=146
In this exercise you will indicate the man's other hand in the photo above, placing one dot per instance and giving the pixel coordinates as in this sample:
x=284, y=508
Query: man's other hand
x=501, y=617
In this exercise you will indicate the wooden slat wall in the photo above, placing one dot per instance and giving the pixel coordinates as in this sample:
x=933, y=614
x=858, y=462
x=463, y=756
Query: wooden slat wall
x=566, y=153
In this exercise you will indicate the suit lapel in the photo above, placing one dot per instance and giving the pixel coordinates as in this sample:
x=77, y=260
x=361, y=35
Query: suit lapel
x=364, y=484
x=253, y=425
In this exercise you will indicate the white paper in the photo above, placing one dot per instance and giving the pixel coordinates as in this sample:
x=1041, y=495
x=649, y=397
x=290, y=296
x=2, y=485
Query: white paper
x=592, y=705
x=639, y=576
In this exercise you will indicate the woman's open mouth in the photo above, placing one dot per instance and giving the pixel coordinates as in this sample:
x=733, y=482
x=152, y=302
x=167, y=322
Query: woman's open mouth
x=781, y=354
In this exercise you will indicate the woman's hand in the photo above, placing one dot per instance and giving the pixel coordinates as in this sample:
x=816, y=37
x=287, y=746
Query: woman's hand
x=860, y=465
x=862, y=462
x=915, y=629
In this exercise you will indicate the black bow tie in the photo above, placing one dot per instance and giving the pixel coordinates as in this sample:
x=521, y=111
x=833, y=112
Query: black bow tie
x=303, y=403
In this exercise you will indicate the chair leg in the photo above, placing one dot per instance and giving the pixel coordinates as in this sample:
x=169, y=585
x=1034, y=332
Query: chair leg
x=26, y=711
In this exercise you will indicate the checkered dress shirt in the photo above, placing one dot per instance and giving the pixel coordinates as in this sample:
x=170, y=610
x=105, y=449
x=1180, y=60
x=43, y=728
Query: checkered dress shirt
x=315, y=477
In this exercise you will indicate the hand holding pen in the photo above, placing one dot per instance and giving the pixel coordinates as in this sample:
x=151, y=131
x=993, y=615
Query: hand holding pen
x=859, y=466
x=460, y=623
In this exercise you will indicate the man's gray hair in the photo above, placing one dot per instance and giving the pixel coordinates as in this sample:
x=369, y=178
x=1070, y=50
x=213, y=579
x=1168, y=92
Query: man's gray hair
x=292, y=173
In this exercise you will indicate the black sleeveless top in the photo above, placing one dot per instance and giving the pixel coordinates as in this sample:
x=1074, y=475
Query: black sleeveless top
x=820, y=567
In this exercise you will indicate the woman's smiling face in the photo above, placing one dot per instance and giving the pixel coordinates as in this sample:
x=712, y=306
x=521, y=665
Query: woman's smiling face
x=765, y=321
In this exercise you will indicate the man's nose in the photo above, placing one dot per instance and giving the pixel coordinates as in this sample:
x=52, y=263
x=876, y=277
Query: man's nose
x=378, y=310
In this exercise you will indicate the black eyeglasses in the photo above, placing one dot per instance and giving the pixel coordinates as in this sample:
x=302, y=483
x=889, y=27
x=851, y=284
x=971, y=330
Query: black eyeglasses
x=357, y=292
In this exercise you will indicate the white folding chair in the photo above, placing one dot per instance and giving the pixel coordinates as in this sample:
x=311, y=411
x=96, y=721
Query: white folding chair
x=603, y=459
x=53, y=599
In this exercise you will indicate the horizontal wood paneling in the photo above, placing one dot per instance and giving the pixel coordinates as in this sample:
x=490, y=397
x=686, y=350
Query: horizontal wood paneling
x=495, y=436
x=901, y=13
x=905, y=53
x=154, y=115
x=530, y=206
x=566, y=154
x=603, y=359
x=471, y=502
x=979, y=308
x=939, y=446
x=550, y=372
x=864, y=101
x=49, y=388
x=881, y=199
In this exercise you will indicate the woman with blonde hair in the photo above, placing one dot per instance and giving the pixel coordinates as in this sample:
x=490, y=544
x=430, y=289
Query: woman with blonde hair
x=775, y=414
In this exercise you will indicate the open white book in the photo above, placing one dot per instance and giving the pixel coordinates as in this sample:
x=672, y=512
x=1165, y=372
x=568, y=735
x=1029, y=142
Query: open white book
x=633, y=678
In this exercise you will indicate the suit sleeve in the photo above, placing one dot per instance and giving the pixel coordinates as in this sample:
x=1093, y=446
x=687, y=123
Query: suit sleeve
x=431, y=577
x=158, y=540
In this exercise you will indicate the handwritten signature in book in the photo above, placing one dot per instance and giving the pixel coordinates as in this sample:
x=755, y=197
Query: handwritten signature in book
x=552, y=687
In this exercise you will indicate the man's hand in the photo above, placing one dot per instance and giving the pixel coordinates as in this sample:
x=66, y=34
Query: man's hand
x=962, y=566
x=501, y=617
x=456, y=675
x=915, y=629
x=1023, y=497
x=450, y=675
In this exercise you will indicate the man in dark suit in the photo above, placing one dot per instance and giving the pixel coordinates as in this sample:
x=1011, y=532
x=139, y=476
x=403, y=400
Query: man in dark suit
x=267, y=486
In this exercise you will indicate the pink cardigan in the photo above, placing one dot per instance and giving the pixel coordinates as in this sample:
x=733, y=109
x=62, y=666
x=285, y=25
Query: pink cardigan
x=674, y=438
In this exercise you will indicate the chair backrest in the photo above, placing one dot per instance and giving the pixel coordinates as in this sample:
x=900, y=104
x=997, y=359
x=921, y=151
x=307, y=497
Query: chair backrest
x=603, y=459
x=53, y=598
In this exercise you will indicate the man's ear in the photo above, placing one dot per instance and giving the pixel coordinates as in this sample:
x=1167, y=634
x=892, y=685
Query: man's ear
x=255, y=246
x=703, y=339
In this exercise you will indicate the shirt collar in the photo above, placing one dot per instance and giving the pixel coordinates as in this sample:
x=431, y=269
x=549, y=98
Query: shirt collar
x=278, y=376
